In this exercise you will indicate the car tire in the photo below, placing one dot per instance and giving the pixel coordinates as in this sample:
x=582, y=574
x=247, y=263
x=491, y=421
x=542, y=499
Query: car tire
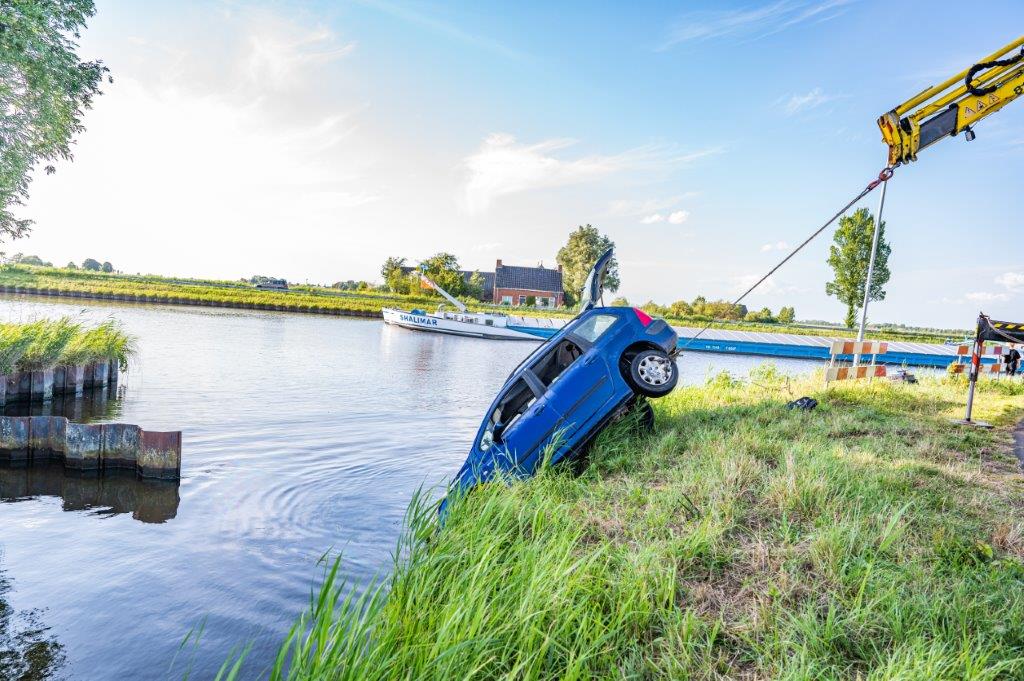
x=653, y=373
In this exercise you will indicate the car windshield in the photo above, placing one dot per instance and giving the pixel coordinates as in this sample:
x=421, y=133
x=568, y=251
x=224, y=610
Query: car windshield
x=512, y=405
x=593, y=327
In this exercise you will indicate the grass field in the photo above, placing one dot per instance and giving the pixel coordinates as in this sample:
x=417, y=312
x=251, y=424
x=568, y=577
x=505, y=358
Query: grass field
x=166, y=290
x=869, y=539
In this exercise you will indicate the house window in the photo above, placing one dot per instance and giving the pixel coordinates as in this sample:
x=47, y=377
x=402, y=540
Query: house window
x=506, y=300
x=522, y=300
x=544, y=302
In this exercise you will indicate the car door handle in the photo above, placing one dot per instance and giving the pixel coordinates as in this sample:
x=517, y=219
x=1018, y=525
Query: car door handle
x=538, y=409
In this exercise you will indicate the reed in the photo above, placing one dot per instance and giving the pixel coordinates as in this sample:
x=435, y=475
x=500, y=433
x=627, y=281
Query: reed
x=46, y=343
x=870, y=538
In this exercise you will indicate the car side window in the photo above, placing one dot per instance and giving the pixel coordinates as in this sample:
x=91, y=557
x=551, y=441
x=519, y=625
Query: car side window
x=550, y=366
x=512, y=405
x=594, y=327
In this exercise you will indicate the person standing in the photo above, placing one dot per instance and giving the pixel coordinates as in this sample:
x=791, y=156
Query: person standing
x=1012, y=360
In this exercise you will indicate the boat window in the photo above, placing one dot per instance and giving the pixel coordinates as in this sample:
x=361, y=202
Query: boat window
x=552, y=363
x=489, y=322
x=512, y=405
x=594, y=327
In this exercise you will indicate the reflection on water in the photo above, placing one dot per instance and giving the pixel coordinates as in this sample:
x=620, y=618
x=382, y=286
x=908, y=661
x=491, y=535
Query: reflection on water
x=28, y=651
x=101, y=404
x=99, y=494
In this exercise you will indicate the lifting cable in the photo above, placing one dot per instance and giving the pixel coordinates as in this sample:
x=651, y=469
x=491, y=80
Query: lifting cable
x=882, y=177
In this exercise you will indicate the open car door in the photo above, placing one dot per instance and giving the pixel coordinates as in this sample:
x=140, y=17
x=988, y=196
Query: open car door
x=594, y=287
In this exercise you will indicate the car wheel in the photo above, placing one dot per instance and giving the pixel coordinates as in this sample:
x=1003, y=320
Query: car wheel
x=653, y=373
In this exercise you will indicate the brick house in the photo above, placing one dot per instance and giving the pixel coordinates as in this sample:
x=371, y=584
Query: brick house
x=513, y=285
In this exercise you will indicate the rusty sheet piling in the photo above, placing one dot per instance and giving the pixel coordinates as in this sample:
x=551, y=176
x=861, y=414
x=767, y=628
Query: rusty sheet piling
x=90, y=447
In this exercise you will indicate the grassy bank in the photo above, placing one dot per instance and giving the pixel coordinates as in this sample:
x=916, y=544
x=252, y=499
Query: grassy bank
x=868, y=539
x=48, y=343
x=166, y=290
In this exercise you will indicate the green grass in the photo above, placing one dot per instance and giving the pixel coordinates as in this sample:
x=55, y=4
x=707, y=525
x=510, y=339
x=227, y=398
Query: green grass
x=869, y=539
x=47, y=343
x=156, y=289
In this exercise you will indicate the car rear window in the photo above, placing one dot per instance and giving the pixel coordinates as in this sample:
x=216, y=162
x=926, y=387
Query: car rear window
x=594, y=327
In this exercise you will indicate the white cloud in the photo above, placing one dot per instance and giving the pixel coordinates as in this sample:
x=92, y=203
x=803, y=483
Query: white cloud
x=279, y=53
x=986, y=297
x=653, y=219
x=503, y=166
x=777, y=246
x=678, y=217
x=751, y=22
x=806, y=102
x=1013, y=281
x=647, y=206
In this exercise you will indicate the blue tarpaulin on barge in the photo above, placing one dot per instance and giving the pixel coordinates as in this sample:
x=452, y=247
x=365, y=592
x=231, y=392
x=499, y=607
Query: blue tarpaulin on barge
x=773, y=344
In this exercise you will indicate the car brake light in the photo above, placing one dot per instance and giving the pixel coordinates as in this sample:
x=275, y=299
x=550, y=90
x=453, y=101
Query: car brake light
x=644, y=318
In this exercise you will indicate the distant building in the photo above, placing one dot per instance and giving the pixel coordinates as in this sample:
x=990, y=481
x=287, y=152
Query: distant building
x=515, y=285
x=263, y=282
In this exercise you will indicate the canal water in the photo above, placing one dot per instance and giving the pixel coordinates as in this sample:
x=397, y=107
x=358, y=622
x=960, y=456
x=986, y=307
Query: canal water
x=302, y=435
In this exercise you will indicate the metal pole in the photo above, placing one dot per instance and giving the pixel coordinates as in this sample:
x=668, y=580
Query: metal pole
x=871, y=265
x=975, y=368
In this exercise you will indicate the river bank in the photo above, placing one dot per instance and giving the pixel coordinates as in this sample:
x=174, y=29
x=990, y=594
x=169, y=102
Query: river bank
x=59, y=282
x=868, y=538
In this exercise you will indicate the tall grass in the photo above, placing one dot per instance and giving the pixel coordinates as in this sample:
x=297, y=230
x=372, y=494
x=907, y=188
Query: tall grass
x=47, y=343
x=868, y=539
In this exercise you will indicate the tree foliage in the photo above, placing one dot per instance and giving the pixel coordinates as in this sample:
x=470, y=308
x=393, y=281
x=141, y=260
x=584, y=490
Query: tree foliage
x=443, y=269
x=577, y=257
x=107, y=267
x=44, y=92
x=395, y=279
x=787, y=315
x=91, y=265
x=849, y=256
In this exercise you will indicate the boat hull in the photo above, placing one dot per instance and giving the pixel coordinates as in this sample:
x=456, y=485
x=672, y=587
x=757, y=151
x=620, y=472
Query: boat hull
x=451, y=327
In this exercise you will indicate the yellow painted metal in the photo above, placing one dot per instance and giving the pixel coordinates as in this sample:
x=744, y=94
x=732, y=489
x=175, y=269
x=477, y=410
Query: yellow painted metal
x=902, y=133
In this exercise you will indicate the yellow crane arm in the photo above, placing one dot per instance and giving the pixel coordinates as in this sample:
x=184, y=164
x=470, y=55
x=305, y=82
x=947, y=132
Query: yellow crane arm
x=955, y=105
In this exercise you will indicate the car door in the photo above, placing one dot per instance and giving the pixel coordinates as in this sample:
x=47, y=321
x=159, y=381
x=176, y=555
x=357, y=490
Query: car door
x=528, y=423
x=584, y=391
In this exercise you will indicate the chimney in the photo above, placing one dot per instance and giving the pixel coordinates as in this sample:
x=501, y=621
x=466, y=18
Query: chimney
x=498, y=264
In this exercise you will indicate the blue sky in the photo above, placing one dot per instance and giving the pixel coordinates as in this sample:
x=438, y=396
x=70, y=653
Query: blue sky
x=312, y=140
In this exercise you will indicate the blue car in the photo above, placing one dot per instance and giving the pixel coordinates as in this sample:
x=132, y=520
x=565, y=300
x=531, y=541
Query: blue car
x=561, y=396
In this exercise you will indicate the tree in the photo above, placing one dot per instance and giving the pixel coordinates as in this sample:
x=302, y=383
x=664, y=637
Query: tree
x=848, y=257
x=680, y=308
x=653, y=309
x=475, y=286
x=91, y=265
x=107, y=267
x=71, y=266
x=787, y=315
x=394, y=277
x=764, y=316
x=577, y=257
x=621, y=301
x=31, y=260
x=443, y=269
x=44, y=91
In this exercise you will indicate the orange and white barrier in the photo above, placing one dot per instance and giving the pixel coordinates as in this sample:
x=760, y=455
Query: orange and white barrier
x=996, y=368
x=857, y=349
x=862, y=371
x=986, y=350
x=846, y=347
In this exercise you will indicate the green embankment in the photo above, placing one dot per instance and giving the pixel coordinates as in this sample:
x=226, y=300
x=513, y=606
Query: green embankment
x=164, y=290
x=869, y=539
